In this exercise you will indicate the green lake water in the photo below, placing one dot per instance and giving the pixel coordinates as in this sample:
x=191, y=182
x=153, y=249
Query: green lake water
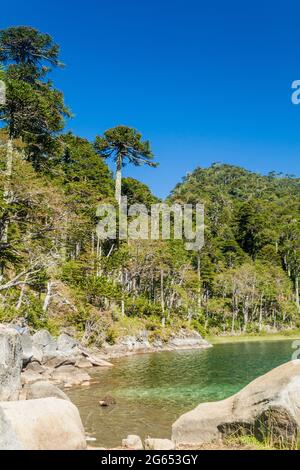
x=153, y=390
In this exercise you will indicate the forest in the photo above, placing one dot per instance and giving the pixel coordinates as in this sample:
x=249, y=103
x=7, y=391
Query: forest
x=56, y=273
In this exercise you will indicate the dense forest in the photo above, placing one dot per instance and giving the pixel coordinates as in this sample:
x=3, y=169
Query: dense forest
x=54, y=270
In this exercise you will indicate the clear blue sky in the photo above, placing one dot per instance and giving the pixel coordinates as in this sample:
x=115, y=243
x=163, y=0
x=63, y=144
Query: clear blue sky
x=204, y=81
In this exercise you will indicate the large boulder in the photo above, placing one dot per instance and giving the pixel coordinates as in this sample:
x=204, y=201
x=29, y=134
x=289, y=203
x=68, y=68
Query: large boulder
x=27, y=345
x=43, y=389
x=45, y=424
x=11, y=360
x=66, y=344
x=43, y=342
x=268, y=408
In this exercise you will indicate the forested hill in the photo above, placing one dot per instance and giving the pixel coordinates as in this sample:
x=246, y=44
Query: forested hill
x=252, y=237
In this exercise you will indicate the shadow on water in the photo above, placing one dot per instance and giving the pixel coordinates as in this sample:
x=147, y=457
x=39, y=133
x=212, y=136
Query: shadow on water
x=152, y=390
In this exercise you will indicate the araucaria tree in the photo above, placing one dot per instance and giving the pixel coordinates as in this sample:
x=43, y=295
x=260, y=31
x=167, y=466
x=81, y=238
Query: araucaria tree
x=124, y=144
x=34, y=110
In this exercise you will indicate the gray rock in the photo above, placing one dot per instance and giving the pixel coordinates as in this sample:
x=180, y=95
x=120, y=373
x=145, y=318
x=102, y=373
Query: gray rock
x=26, y=343
x=37, y=354
x=43, y=389
x=43, y=341
x=43, y=424
x=159, y=444
x=58, y=360
x=35, y=367
x=69, y=376
x=188, y=340
x=132, y=442
x=267, y=407
x=29, y=376
x=66, y=344
x=8, y=437
x=11, y=360
x=83, y=363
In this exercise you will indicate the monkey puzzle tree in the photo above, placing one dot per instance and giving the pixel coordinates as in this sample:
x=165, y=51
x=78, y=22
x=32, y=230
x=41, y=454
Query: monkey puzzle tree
x=34, y=110
x=27, y=52
x=124, y=144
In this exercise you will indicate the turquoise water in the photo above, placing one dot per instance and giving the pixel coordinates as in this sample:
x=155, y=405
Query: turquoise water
x=152, y=390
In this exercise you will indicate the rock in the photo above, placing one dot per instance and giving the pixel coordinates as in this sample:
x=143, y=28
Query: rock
x=37, y=354
x=107, y=401
x=159, y=444
x=35, y=367
x=43, y=424
x=269, y=407
x=11, y=361
x=132, y=442
x=66, y=343
x=95, y=359
x=29, y=376
x=58, y=360
x=188, y=340
x=43, y=389
x=44, y=342
x=83, y=363
x=26, y=343
x=70, y=376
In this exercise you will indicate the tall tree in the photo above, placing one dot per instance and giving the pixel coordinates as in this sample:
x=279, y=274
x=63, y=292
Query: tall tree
x=34, y=110
x=124, y=144
x=28, y=52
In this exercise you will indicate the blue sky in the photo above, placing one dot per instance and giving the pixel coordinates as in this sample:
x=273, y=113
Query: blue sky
x=203, y=81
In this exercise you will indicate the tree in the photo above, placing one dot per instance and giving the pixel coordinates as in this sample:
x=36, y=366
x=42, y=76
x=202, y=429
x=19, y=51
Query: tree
x=124, y=144
x=26, y=51
x=34, y=110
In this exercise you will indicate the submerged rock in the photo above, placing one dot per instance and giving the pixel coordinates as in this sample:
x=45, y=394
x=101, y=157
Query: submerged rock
x=269, y=407
x=107, y=401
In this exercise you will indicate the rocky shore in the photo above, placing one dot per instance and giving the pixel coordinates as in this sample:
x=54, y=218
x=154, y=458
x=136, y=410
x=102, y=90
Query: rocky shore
x=36, y=413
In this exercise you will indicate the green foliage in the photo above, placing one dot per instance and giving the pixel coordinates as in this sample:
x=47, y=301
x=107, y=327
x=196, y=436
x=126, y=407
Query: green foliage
x=125, y=143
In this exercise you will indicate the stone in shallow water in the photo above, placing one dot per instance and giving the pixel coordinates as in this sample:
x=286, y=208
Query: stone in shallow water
x=70, y=376
x=132, y=442
x=159, y=444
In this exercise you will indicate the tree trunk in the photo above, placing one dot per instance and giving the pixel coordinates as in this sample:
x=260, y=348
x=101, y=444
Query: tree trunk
x=48, y=297
x=118, y=193
x=199, y=280
x=8, y=174
x=162, y=297
x=297, y=292
x=6, y=194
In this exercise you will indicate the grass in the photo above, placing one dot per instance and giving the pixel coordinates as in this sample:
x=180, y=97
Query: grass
x=283, y=335
x=248, y=442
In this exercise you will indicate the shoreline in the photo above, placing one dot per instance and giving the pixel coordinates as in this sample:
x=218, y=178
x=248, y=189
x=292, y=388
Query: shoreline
x=151, y=350
x=211, y=341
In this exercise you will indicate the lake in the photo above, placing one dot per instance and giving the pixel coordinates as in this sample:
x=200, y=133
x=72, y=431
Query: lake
x=153, y=390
